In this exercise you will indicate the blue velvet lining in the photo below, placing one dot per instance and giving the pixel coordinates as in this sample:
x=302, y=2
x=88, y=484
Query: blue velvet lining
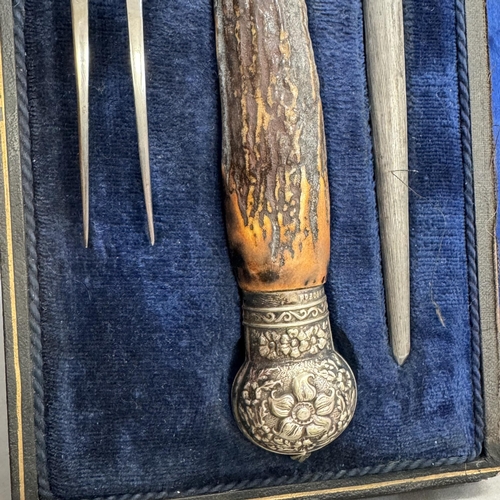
x=140, y=344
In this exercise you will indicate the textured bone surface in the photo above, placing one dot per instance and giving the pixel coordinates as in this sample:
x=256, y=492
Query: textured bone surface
x=274, y=160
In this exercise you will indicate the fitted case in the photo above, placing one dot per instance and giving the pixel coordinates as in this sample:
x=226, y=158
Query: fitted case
x=120, y=357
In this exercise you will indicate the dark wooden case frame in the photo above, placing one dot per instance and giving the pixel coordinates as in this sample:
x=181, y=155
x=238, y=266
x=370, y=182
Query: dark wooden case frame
x=20, y=456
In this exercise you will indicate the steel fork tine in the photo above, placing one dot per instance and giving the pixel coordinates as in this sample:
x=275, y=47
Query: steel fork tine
x=80, y=21
x=136, y=39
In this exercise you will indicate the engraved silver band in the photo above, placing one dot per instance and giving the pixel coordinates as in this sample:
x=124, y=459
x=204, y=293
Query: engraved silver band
x=288, y=325
x=295, y=308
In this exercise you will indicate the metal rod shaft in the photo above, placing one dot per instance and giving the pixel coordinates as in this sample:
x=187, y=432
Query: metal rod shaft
x=137, y=58
x=80, y=20
x=384, y=34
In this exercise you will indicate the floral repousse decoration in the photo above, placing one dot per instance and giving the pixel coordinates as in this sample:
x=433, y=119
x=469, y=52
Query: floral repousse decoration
x=298, y=408
x=304, y=412
x=294, y=342
x=269, y=345
x=295, y=393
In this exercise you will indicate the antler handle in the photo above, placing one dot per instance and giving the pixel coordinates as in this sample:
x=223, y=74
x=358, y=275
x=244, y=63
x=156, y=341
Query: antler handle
x=294, y=394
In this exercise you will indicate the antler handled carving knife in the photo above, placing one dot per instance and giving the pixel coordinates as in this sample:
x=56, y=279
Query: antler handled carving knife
x=294, y=394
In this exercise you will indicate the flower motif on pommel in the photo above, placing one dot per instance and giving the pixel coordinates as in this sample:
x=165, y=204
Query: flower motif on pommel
x=268, y=345
x=343, y=380
x=297, y=341
x=290, y=342
x=305, y=413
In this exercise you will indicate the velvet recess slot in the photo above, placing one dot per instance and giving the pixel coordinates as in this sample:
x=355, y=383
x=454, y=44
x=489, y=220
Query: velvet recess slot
x=263, y=158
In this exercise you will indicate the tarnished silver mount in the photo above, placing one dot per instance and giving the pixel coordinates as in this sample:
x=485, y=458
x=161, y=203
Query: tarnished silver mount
x=294, y=394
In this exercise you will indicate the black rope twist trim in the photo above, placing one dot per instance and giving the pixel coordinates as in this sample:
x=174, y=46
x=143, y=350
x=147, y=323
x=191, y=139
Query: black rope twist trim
x=31, y=253
x=289, y=480
x=470, y=224
x=25, y=137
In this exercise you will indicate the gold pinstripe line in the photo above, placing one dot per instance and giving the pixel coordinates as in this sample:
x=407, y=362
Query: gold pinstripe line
x=373, y=487
x=12, y=286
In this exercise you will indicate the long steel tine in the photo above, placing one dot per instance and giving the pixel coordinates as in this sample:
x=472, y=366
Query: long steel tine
x=136, y=39
x=80, y=19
